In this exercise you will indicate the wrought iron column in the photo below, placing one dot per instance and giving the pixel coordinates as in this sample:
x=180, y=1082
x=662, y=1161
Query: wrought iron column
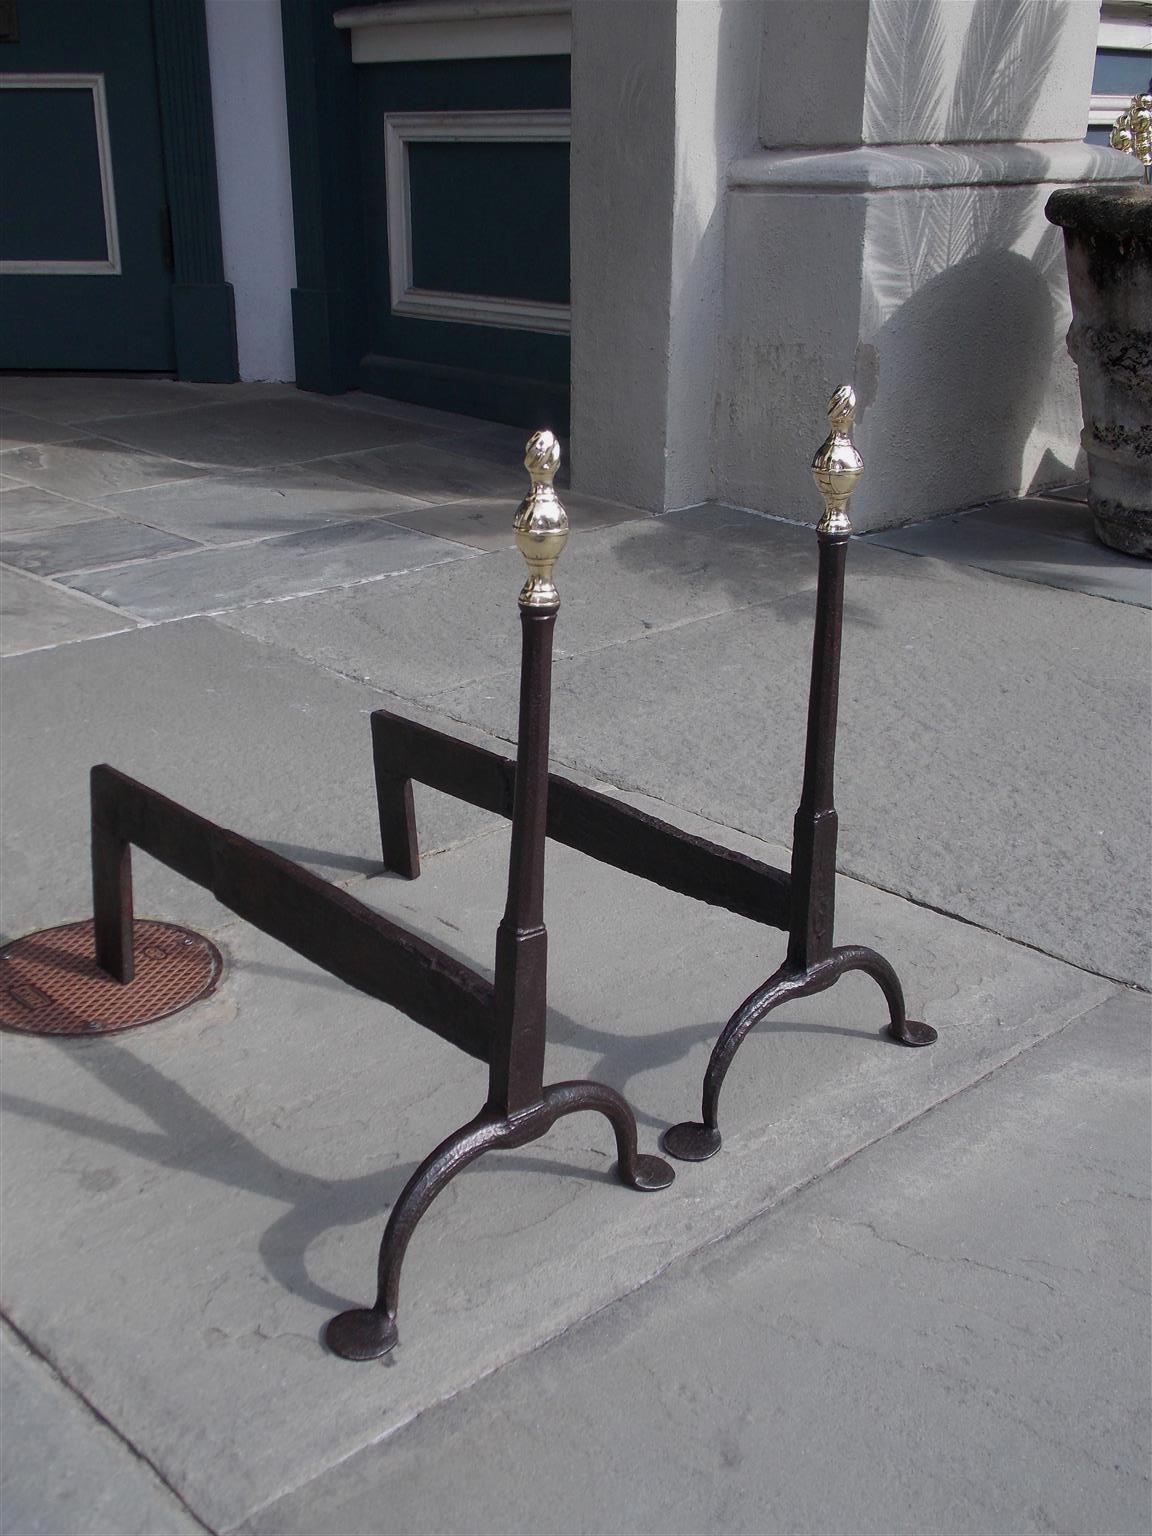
x=517, y=1070
x=836, y=468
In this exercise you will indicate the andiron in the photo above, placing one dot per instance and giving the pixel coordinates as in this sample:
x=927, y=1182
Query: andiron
x=503, y=1023
x=801, y=901
x=812, y=963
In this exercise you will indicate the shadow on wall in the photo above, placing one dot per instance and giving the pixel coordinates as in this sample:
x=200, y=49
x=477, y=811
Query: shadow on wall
x=963, y=380
x=965, y=323
x=1005, y=57
x=965, y=302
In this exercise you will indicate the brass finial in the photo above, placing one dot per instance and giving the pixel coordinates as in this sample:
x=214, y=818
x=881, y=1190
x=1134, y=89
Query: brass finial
x=1132, y=131
x=837, y=466
x=541, y=523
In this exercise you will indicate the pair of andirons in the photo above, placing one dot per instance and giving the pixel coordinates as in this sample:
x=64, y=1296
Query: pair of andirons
x=503, y=1022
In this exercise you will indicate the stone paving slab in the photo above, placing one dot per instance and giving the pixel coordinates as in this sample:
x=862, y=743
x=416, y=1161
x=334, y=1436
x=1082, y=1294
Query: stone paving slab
x=87, y=468
x=34, y=614
x=257, y=503
x=20, y=431
x=992, y=753
x=186, y=1205
x=616, y=584
x=238, y=731
x=501, y=445
x=406, y=410
x=485, y=522
x=997, y=546
x=24, y=508
x=62, y=1472
x=214, y=580
x=948, y=1334
x=82, y=546
x=1077, y=492
x=253, y=433
x=427, y=471
x=57, y=397
x=1043, y=517
x=956, y=704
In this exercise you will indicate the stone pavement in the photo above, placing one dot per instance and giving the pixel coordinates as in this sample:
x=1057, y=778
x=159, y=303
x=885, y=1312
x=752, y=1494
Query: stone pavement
x=910, y=1294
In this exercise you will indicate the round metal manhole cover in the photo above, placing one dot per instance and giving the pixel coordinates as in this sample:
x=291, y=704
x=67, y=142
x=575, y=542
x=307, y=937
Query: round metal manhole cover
x=50, y=983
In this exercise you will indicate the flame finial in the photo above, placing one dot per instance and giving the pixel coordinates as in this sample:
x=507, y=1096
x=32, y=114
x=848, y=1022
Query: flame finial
x=1132, y=131
x=837, y=466
x=541, y=523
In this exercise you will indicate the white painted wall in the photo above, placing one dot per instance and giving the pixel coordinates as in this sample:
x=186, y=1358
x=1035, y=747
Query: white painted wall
x=945, y=304
x=623, y=138
x=860, y=199
x=917, y=264
x=245, y=51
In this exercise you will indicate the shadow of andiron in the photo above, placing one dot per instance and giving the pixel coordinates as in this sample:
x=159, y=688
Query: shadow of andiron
x=502, y=1023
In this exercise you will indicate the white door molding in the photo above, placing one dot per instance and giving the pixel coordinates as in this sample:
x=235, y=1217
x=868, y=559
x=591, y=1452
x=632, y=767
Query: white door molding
x=48, y=267
x=404, y=128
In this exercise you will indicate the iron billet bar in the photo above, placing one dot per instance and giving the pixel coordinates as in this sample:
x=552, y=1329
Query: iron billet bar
x=516, y=1075
x=399, y=845
x=812, y=963
x=317, y=920
x=519, y=1108
x=112, y=898
x=815, y=824
x=606, y=829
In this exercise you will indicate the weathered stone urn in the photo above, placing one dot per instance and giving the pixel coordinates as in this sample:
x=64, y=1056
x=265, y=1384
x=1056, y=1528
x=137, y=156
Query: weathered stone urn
x=1108, y=241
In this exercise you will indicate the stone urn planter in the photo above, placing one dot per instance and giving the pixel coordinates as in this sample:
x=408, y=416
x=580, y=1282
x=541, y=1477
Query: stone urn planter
x=1108, y=242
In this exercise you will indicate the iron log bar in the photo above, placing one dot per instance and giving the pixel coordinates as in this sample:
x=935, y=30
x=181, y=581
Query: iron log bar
x=606, y=829
x=317, y=920
x=812, y=963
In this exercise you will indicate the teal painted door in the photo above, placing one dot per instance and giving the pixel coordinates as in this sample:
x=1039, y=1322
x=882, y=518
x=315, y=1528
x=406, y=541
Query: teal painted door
x=464, y=167
x=84, y=244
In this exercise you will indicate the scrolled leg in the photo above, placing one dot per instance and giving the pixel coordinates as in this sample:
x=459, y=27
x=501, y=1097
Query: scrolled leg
x=637, y=1170
x=908, y=1031
x=695, y=1141
x=366, y=1333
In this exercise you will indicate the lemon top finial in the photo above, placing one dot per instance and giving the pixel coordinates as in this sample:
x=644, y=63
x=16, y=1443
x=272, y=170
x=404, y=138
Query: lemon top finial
x=541, y=523
x=837, y=466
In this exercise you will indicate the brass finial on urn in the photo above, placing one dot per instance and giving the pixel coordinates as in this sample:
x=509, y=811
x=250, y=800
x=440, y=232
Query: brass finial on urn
x=1132, y=131
x=541, y=523
x=837, y=466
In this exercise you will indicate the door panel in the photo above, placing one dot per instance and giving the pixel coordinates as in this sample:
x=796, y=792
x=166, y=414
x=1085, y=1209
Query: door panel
x=84, y=274
x=465, y=177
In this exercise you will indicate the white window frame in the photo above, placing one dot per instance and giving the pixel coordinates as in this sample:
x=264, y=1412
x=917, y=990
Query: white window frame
x=1125, y=24
x=456, y=29
x=110, y=266
x=404, y=128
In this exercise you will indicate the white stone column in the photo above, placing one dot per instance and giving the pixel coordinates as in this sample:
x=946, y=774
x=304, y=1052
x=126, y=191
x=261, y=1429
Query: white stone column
x=890, y=230
x=246, y=55
x=664, y=97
